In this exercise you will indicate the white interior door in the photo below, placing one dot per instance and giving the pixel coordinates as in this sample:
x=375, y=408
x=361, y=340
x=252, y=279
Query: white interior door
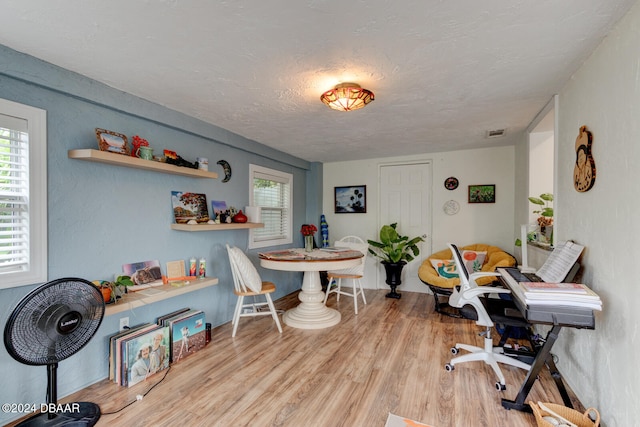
x=405, y=198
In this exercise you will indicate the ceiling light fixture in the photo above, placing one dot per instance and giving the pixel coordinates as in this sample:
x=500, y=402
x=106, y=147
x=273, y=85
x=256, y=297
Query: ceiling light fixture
x=347, y=97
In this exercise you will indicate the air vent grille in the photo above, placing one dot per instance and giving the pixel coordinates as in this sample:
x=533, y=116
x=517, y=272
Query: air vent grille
x=496, y=133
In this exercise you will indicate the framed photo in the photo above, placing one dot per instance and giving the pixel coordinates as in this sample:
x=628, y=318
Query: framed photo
x=218, y=207
x=112, y=141
x=352, y=199
x=482, y=193
x=219, y=211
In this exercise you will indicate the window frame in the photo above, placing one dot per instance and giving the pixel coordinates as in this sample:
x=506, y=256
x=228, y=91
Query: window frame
x=286, y=177
x=37, y=129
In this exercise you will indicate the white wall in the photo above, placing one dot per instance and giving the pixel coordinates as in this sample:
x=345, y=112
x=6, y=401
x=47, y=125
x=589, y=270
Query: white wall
x=541, y=151
x=601, y=365
x=490, y=223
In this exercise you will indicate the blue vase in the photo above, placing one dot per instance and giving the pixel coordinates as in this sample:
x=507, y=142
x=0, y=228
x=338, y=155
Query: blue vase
x=324, y=230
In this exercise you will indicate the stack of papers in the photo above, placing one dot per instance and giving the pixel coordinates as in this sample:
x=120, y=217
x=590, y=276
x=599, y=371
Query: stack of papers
x=287, y=254
x=334, y=249
x=559, y=262
x=562, y=294
x=533, y=288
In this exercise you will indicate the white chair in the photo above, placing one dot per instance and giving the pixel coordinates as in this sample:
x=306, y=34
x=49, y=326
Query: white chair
x=353, y=273
x=247, y=283
x=468, y=293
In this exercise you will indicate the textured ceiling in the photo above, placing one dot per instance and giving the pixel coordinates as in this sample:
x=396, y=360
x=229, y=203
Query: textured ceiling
x=443, y=72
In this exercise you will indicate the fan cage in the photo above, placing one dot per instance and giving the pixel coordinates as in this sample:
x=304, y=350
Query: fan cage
x=36, y=332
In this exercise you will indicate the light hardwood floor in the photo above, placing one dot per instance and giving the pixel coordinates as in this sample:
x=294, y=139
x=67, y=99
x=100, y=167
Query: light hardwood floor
x=388, y=358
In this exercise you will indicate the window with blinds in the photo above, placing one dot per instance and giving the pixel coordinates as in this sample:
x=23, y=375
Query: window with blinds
x=271, y=192
x=23, y=236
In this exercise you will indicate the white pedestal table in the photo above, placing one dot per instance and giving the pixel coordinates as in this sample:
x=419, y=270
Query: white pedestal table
x=311, y=313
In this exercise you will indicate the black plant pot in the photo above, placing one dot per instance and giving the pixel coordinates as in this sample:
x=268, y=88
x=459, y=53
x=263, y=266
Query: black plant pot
x=394, y=277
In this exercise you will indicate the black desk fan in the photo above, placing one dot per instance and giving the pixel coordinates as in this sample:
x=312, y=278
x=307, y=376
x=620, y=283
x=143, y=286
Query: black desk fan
x=51, y=323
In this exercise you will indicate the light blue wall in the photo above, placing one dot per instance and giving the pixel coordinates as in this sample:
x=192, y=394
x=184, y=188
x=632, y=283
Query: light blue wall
x=102, y=216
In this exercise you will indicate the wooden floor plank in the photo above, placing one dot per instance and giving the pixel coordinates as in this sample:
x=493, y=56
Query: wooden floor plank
x=388, y=358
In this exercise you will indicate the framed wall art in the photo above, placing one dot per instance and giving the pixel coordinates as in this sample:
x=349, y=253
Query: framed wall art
x=451, y=183
x=351, y=199
x=189, y=208
x=112, y=141
x=482, y=193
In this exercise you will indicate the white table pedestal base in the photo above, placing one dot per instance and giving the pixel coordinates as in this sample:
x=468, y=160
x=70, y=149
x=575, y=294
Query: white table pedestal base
x=311, y=313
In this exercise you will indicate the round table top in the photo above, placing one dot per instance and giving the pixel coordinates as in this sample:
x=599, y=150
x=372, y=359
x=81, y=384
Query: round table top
x=317, y=255
x=317, y=260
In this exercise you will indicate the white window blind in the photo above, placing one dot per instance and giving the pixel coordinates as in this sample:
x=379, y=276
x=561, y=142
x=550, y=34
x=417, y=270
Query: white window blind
x=271, y=192
x=22, y=194
x=14, y=194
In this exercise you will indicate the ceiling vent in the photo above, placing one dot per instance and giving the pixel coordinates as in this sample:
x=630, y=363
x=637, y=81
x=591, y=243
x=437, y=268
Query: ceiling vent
x=496, y=133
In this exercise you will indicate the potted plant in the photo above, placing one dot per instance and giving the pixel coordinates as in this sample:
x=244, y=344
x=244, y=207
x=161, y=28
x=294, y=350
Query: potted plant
x=545, y=220
x=308, y=231
x=120, y=285
x=105, y=290
x=395, y=251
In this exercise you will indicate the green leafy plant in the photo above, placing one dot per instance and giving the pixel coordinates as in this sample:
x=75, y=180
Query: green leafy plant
x=123, y=281
x=119, y=286
x=544, y=201
x=392, y=247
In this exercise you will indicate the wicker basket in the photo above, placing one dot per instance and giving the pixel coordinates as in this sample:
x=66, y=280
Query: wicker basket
x=579, y=419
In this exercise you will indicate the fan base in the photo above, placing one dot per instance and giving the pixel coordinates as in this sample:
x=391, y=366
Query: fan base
x=87, y=415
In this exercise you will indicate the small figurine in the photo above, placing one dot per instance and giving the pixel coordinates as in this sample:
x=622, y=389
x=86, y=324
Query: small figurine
x=174, y=159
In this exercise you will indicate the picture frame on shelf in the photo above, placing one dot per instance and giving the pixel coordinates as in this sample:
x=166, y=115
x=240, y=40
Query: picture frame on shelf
x=144, y=274
x=112, y=142
x=485, y=193
x=189, y=208
x=218, y=207
x=351, y=199
x=219, y=210
x=175, y=269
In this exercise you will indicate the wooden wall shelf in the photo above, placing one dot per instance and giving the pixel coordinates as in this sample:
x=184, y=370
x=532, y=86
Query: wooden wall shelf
x=138, y=299
x=134, y=162
x=216, y=227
